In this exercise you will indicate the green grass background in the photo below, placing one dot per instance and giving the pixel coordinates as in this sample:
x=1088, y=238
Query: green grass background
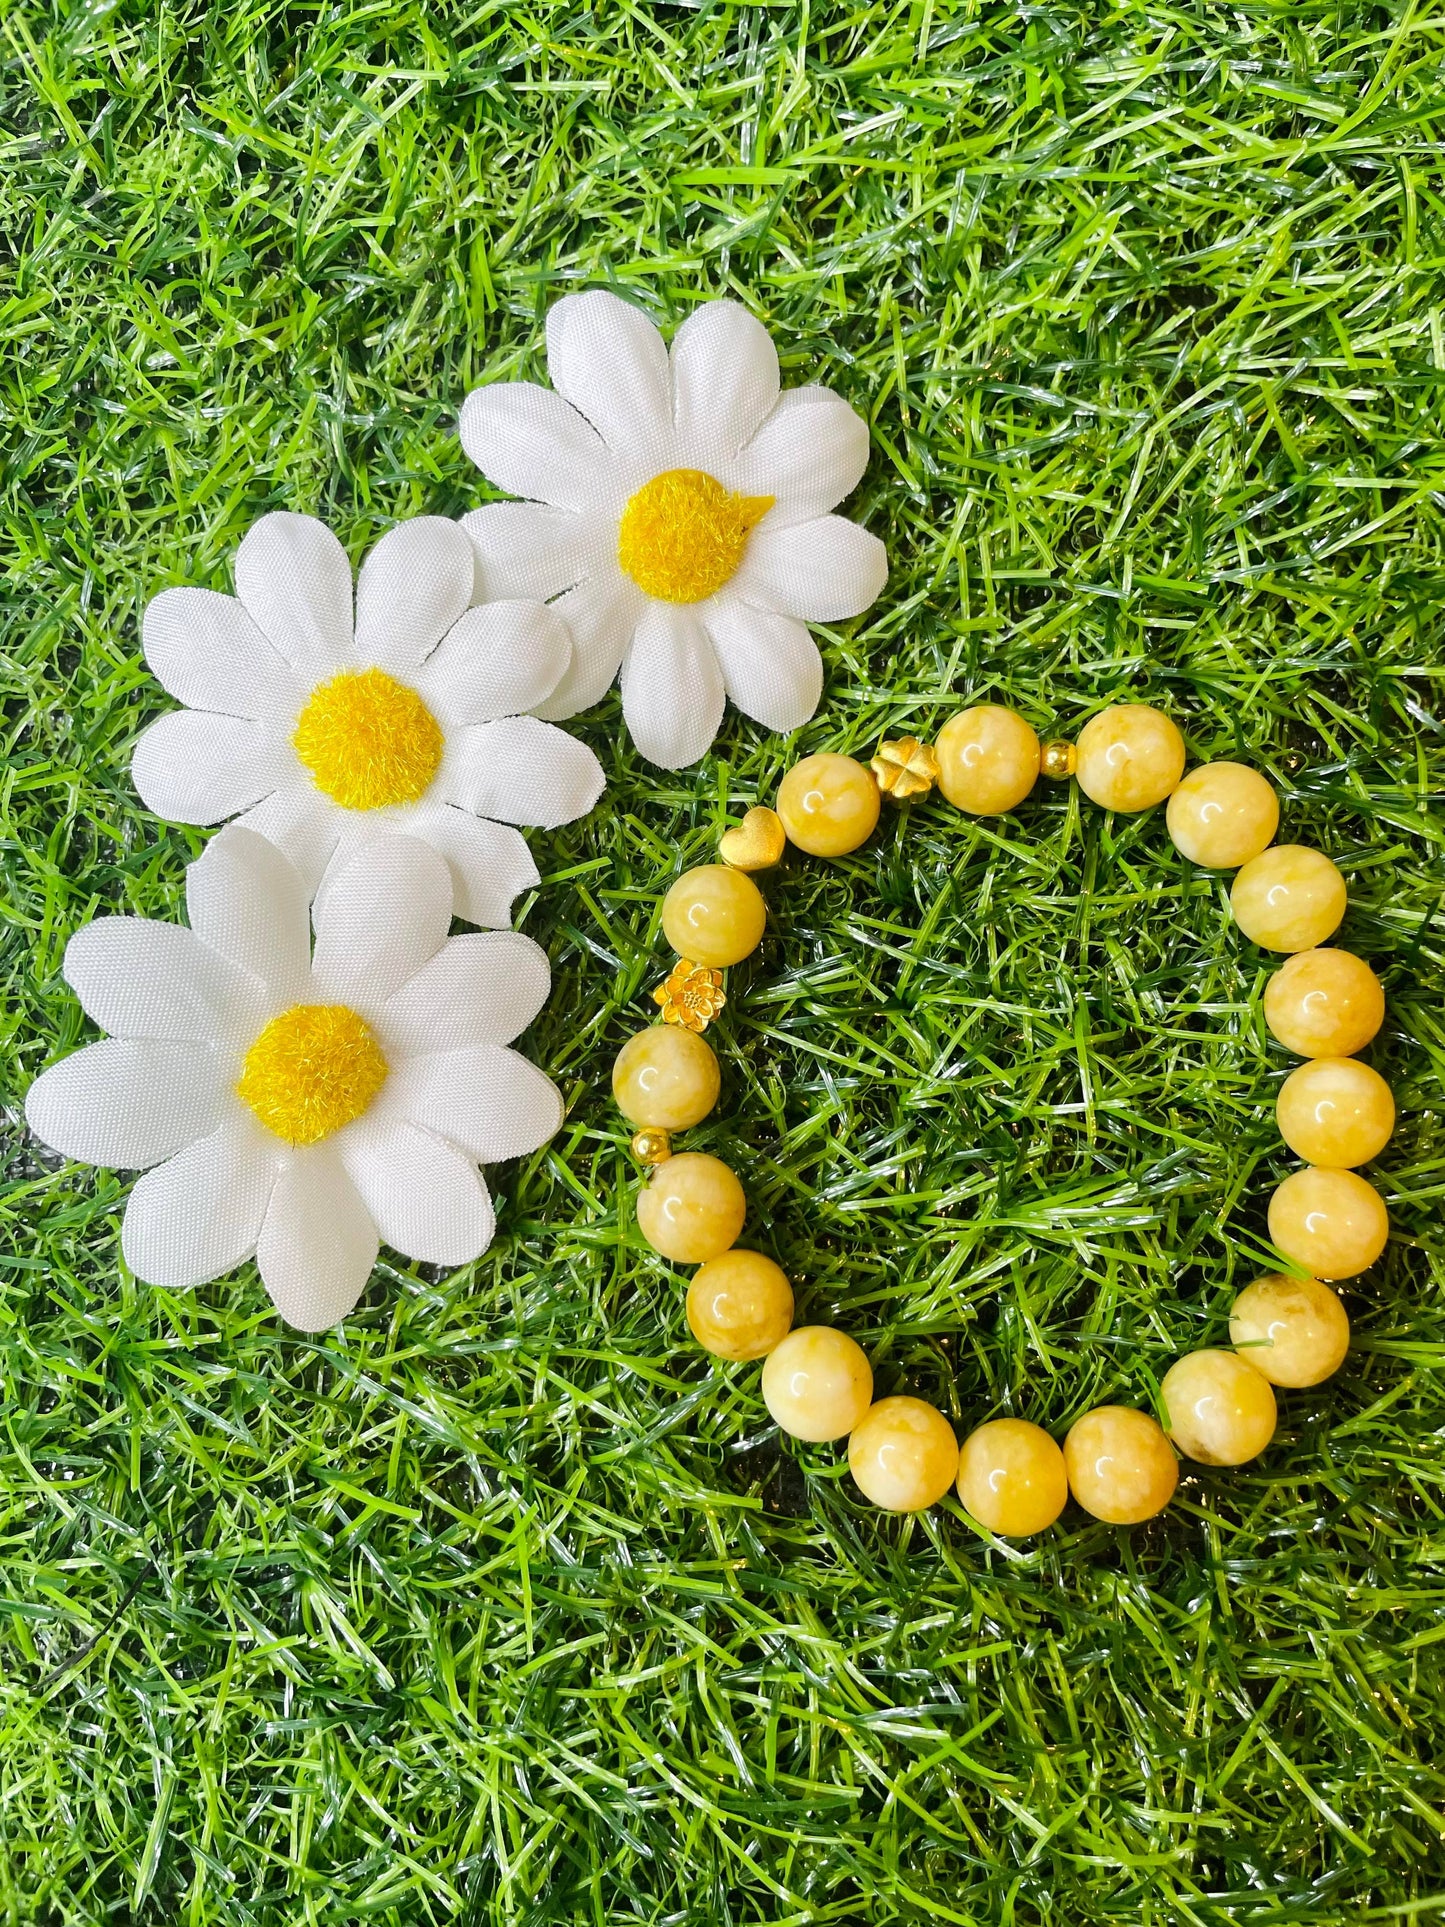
x=503, y=1604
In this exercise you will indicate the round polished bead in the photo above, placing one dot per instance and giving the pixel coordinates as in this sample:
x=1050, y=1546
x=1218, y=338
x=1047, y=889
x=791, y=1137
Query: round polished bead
x=829, y=804
x=1222, y=814
x=988, y=760
x=903, y=1454
x=1331, y=1223
x=714, y=915
x=666, y=1078
x=1324, y=1003
x=652, y=1147
x=1335, y=1110
x=1120, y=1465
x=740, y=1305
x=1294, y=1331
x=1288, y=898
x=1130, y=757
x=1011, y=1477
x=1221, y=1410
x=817, y=1383
x=693, y=1208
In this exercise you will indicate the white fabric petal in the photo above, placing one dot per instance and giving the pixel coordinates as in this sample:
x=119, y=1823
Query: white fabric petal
x=127, y=1103
x=489, y=863
x=245, y=900
x=608, y=360
x=499, y=660
x=318, y=1244
x=672, y=687
x=425, y=1198
x=522, y=549
x=205, y=650
x=379, y=919
x=520, y=770
x=412, y=587
x=725, y=380
x=492, y=1102
x=304, y=825
x=293, y=576
x=136, y=978
x=770, y=663
x=601, y=614
x=531, y=443
x=192, y=767
x=483, y=988
x=809, y=453
x=199, y=1215
x=822, y=570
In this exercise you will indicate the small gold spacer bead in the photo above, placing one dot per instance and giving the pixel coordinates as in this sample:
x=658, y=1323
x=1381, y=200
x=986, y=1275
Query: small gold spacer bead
x=905, y=768
x=652, y=1147
x=1058, y=761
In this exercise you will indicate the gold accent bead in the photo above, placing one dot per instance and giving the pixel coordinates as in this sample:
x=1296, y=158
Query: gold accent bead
x=757, y=843
x=1058, y=761
x=691, y=996
x=905, y=768
x=652, y=1147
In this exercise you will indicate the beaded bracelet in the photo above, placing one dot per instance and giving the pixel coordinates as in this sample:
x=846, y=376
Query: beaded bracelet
x=1324, y=1005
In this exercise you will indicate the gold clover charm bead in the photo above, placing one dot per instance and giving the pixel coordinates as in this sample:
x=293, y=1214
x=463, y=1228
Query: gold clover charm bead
x=905, y=768
x=692, y=995
x=1058, y=761
x=754, y=844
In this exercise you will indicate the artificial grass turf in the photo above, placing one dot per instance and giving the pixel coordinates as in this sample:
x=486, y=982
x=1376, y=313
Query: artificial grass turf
x=502, y=1604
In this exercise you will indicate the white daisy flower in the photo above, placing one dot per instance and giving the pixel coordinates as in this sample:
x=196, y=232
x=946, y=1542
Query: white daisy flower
x=301, y=1107
x=677, y=505
x=328, y=732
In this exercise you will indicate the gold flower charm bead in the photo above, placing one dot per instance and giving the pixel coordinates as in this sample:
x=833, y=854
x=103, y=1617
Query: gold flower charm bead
x=1058, y=761
x=905, y=768
x=692, y=995
x=652, y=1147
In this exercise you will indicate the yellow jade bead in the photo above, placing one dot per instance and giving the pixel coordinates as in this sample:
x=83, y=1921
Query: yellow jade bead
x=1222, y=814
x=988, y=760
x=1011, y=1477
x=714, y=915
x=903, y=1454
x=1120, y=1465
x=828, y=804
x=1324, y=1003
x=1288, y=898
x=666, y=1078
x=1331, y=1223
x=739, y=1306
x=1221, y=1410
x=1293, y=1331
x=817, y=1383
x=693, y=1208
x=1335, y=1111
x=1130, y=757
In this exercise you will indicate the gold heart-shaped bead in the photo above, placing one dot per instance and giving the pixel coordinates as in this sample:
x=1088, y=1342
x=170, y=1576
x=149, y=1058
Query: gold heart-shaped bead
x=754, y=844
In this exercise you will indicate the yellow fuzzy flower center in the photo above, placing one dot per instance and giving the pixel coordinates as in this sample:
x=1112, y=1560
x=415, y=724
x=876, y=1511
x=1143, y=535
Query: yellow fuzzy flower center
x=683, y=534
x=312, y=1069
x=368, y=740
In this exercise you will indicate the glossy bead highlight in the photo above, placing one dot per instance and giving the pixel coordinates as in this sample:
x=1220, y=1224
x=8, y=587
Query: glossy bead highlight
x=903, y=1454
x=817, y=1383
x=1332, y=1224
x=1335, y=1111
x=665, y=1078
x=1290, y=898
x=1130, y=757
x=1222, y=814
x=1324, y=1003
x=693, y=1208
x=1221, y=1410
x=828, y=804
x=1121, y=1467
x=1011, y=1477
x=739, y=1306
x=988, y=760
x=714, y=915
x=1294, y=1331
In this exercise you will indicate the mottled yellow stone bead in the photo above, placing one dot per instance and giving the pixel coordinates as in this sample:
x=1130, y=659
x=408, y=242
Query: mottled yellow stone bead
x=665, y=1079
x=1121, y=1467
x=988, y=760
x=1130, y=757
x=1011, y=1477
x=1336, y=1111
x=1331, y=1223
x=740, y=1305
x=1222, y=814
x=1294, y=1331
x=1324, y=1003
x=714, y=915
x=1221, y=1410
x=903, y=1454
x=829, y=804
x=817, y=1383
x=1288, y=898
x=693, y=1208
